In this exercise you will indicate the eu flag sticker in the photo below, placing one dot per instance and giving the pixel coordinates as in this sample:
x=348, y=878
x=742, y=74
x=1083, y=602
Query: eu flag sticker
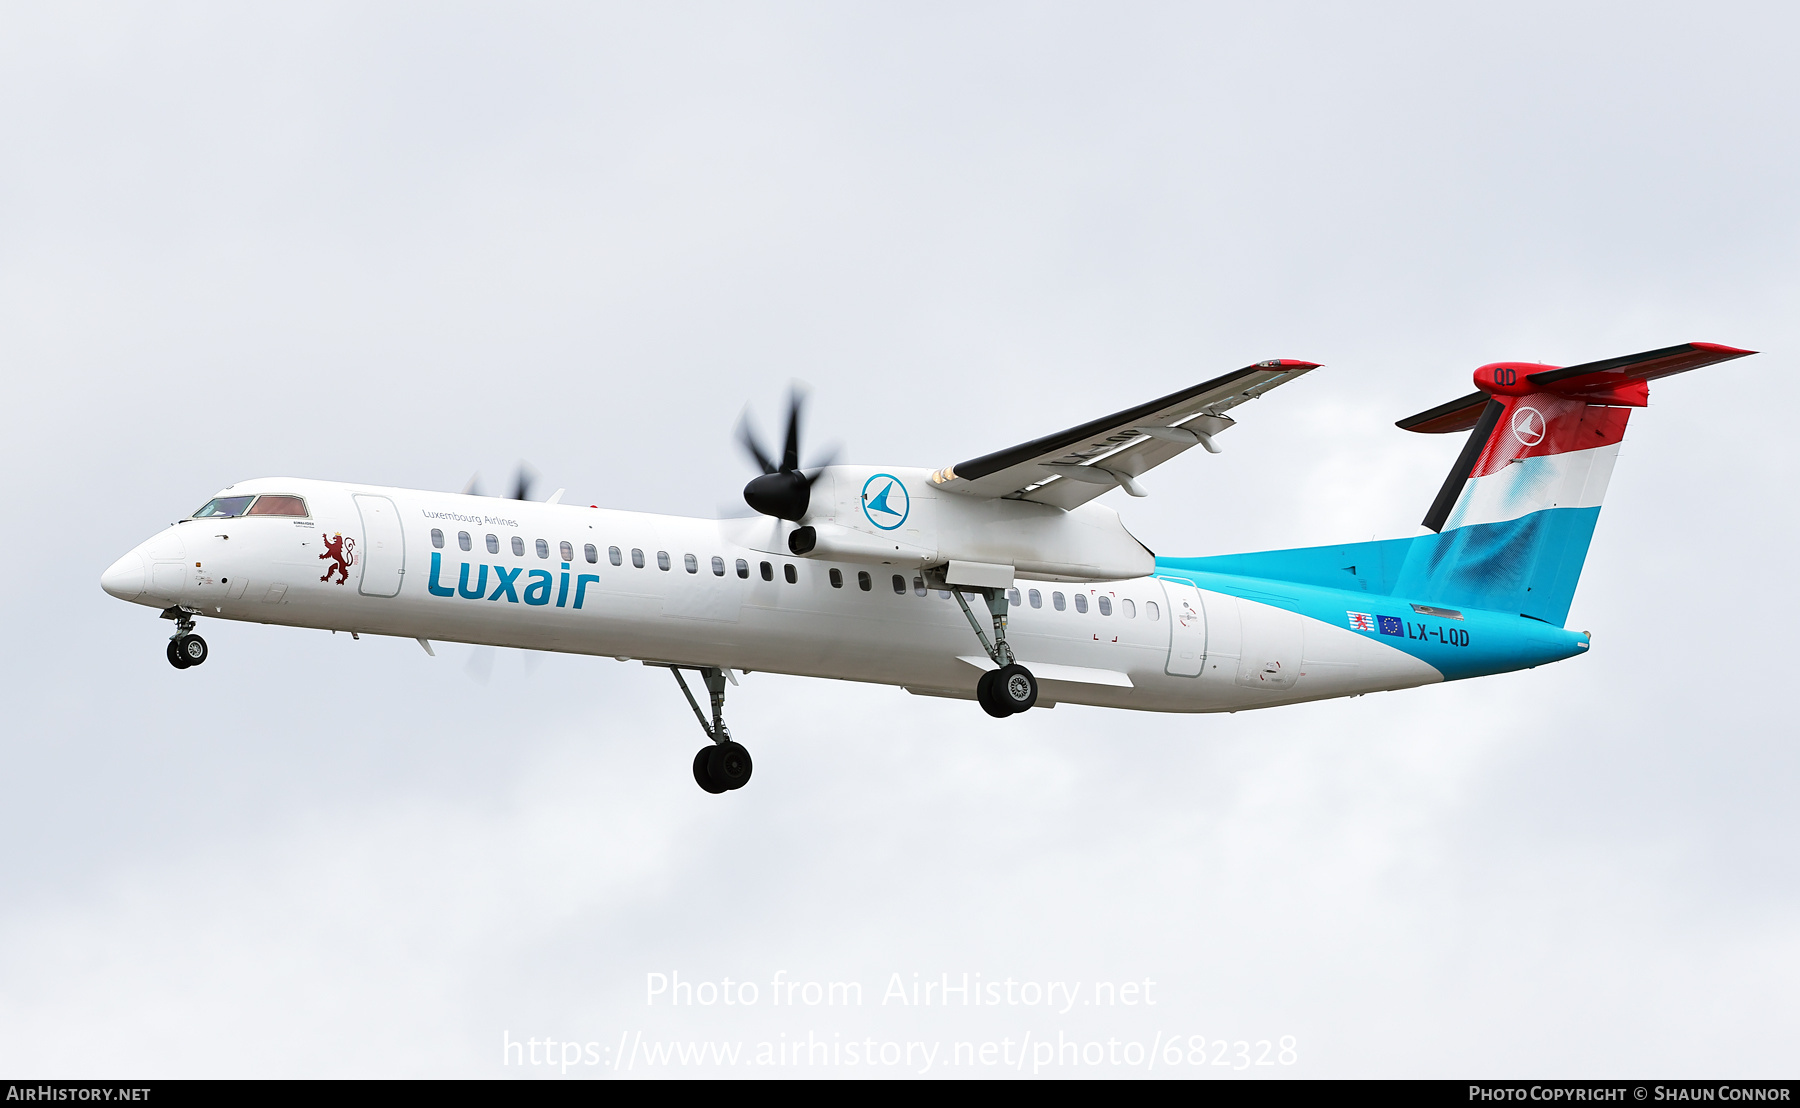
x=1390, y=625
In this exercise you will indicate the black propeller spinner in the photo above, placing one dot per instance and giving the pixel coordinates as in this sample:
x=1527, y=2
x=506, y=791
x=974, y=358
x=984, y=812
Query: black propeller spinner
x=782, y=491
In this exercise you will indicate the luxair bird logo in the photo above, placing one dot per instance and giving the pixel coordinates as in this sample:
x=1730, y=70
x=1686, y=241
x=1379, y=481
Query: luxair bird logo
x=885, y=502
x=1529, y=426
x=342, y=552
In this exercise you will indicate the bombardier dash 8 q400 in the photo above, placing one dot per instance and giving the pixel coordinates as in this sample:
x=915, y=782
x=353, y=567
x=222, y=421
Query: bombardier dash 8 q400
x=1041, y=595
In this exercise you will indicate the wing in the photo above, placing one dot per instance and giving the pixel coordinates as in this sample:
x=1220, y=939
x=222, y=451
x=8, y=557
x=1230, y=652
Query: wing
x=1071, y=467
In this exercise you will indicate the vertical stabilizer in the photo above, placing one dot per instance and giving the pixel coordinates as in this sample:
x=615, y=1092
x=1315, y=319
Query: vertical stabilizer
x=1517, y=512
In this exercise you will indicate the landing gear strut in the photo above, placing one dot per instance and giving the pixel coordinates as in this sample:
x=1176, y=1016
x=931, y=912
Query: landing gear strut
x=1011, y=689
x=186, y=649
x=724, y=765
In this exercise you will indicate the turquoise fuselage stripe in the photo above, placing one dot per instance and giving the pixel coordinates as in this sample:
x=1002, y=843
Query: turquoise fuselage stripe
x=1518, y=566
x=1497, y=642
x=1512, y=582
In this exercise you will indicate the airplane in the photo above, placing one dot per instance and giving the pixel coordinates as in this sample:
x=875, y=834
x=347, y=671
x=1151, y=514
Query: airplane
x=999, y=579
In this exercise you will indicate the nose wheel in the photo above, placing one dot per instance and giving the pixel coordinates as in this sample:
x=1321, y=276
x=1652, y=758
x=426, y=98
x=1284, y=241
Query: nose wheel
x=186, y=649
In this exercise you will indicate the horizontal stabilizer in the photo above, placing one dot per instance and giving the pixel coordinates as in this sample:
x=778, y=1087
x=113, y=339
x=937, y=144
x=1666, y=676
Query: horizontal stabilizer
x=1611, y=380
x=1458, y=415
x=1647, y=366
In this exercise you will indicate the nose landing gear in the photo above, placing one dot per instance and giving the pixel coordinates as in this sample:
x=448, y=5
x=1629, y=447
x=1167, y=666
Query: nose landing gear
x=723, y=765
x=186, y=649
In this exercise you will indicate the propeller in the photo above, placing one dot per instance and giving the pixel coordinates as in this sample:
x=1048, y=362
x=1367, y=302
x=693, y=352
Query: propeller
x=785, y=490
x=521, y=483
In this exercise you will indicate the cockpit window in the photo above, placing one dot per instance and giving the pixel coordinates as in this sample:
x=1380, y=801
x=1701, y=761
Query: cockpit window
x=278, y=506
x=224, y=506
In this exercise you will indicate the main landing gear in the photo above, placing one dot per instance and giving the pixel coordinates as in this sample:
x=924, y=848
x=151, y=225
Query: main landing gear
x=1012, y=688
x=723, y=765
x=185, y=648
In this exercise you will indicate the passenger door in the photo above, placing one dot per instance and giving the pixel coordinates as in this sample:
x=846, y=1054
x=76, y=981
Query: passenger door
x=1187, y=629
x=383, y=553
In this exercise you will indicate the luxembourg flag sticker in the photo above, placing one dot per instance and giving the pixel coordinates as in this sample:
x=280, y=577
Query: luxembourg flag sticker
x=1361, y=621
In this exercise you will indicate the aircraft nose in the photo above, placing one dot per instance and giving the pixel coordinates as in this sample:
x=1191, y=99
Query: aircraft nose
x=125, y=577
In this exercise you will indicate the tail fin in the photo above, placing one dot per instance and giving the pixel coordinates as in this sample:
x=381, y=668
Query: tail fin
x=1516, y=514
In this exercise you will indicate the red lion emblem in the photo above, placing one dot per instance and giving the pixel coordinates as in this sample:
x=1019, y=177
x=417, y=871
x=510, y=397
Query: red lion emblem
x=342, y=552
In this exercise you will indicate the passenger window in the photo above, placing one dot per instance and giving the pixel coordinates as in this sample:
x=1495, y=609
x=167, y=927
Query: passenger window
x=518, y=545
x=943, y=594
x=743, y=569
x=637, y=557
x=568, y=552
x=690, y=563
x=1106, y=605
x=493, y=544
x=919, y=586
x=662, y=560
x=864, y=581
x=1150, y=610
x=1127, y=609
x=1012, y=597
x=543, y=548
x=590, y=553
x=718, y=566
x=837, y=578
x=899, y=585
x=279, y=506
x=462, y=539
x=787, y=571
x=768, y=572
x=1037, y=598
x=1057, y=601
x=613, y=556
x=437, y=539
x=1081, y=603
x=224, y=507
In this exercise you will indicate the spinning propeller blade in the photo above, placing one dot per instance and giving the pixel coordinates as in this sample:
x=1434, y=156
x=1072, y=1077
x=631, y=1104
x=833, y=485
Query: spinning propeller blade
x=783, y=491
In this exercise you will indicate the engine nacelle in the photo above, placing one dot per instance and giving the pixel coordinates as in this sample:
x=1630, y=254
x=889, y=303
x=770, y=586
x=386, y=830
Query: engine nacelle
x=895, y=517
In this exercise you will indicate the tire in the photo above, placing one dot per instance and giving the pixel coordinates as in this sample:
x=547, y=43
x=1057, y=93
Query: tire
x=192, y=649
x=729, y=765
x=1015, y=687
x=700, y=776
x=989, y=697
x=175, y=658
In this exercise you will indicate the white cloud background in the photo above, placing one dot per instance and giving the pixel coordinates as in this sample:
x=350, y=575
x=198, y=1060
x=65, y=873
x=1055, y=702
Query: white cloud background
x=400, y=243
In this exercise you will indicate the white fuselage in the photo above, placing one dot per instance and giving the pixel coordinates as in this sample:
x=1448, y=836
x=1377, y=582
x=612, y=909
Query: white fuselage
x=1162, y=645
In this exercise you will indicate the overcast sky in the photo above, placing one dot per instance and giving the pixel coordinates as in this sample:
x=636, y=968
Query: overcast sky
x=400, y=244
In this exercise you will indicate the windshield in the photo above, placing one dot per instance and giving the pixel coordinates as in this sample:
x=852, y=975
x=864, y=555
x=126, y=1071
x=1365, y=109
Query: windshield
x=224, y=506
x=279, y=506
